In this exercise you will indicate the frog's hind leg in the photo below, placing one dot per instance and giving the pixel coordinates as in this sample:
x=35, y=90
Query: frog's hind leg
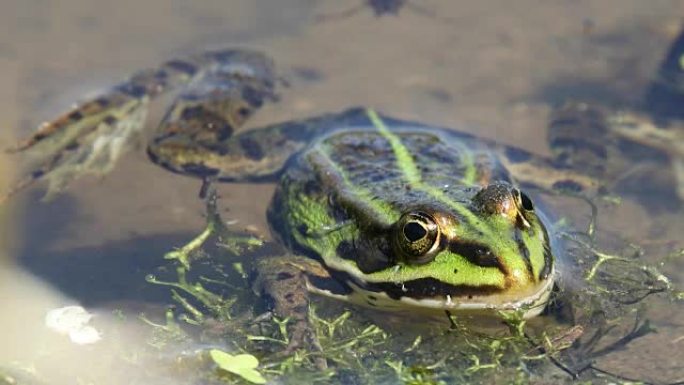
x=196, y=135
x=92, y=136
x=89, y=139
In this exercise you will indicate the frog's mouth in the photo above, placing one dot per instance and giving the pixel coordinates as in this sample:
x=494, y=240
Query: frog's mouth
x=429, y=295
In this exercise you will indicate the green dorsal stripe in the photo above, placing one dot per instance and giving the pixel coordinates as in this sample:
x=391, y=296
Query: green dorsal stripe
x=468, y=162
x=404, y=157
x=408, y=167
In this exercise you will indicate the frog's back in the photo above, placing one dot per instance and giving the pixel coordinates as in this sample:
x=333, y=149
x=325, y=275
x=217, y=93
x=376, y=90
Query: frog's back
x=389, y=163
x=357, y=168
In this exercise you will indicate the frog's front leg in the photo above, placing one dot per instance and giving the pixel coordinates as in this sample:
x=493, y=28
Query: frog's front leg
x=282, y=282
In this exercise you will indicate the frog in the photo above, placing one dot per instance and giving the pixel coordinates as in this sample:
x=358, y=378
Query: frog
x=385, y=213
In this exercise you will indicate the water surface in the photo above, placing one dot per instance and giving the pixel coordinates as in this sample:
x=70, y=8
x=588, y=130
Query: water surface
x=493, y=68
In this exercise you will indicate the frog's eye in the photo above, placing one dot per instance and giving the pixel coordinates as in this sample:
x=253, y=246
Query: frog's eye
x=525, y=201
x=417, y=238
x=525, y=209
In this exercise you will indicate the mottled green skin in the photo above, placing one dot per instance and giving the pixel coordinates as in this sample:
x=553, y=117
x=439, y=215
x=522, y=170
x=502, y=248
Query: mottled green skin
x=339, y=199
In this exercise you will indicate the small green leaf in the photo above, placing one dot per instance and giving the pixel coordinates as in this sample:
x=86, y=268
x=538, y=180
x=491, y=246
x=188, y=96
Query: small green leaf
x=242, y=364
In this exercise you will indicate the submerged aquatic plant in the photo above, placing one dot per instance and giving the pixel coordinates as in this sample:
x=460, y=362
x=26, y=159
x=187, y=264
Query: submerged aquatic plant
x=243, y=365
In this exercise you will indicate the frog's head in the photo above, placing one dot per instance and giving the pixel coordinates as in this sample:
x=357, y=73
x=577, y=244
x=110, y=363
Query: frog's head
x=487, y=251
x=391, y=220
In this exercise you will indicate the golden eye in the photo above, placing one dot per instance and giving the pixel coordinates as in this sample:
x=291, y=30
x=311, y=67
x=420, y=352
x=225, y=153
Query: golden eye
x=416, y=238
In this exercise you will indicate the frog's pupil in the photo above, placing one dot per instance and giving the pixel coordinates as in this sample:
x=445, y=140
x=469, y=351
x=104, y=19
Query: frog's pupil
x=414, y=231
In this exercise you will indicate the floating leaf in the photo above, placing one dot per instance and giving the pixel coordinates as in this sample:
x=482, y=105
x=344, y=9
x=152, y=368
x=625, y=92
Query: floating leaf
x=242, y=364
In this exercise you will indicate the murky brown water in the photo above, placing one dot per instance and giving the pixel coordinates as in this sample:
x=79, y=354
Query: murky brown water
x=492, y=68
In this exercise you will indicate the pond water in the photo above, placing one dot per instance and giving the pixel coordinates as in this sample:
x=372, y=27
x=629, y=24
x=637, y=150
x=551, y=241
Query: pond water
x=491, y=68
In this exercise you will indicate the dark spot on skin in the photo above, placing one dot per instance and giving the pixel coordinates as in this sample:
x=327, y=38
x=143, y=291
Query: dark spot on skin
x=199, y=170
x=251, y=147
x=76, y=115
x=567, y=185
x=333, y=285
x=37, y=174
x=289, y=297
x=102, y=102
x=377, y=178
x=478, y=254
x=370, y=254
x=131, y=89
x=455, y=271
x=194, y=112
x=517, y=155
x=254, y=97
x=372, y=298
x=209, y=120
x=223, y=134
x=303, y=229
x=345, y=250
x=181, y=66
x=244, y=112
x=312, y=187
x=161, y=74
x=470, y=297
x=72, y=146
x=110, y=120
x=284, y=276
